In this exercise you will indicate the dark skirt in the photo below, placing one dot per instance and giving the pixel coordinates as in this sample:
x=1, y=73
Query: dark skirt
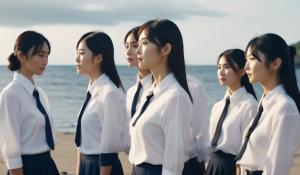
x=193, y=167
x=253, y=172
x=116, y=168
x=147, y=169
x=90, y=165
x=39, y=164
x=221, y=163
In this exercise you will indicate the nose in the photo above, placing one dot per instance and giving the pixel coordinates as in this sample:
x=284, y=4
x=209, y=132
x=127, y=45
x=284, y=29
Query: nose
x=128, y=51
x=247, y=68
x=138, y=50
x=77, y=59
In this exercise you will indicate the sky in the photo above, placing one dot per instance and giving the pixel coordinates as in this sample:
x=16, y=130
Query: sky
x=208, y=27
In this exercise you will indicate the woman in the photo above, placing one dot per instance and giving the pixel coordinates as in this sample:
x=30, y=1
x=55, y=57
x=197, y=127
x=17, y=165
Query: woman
x=144, y=77
x=273, y=135
x=231, y=115
x=100, y=125
x=159, y=129
x=25, y=111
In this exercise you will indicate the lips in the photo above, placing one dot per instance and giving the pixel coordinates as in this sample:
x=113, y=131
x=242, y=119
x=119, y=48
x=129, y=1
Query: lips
x=77, y=67
x=140, y=59
x=222, y=79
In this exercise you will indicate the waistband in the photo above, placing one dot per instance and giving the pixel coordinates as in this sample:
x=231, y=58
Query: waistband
x=36, y=156
x=223, y=155
x=253, y=172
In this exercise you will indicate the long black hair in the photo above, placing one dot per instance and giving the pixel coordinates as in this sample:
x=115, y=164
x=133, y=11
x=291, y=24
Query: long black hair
x=272, y=46
x=161, y=32
x=26, y=41
x=236, y=60
x=100, y=43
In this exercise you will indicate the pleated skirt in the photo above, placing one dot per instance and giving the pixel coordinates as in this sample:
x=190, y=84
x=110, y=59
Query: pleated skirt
x=90, y=165
x=147, y=169
x=221, y=163
x=39, y=164
x=193, y=167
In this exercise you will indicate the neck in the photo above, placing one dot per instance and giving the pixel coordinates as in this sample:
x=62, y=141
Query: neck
x=143, y=73
x=233, y=88
x=269, y=85
x=160, y=72
x=93, y=76
x=27, y=74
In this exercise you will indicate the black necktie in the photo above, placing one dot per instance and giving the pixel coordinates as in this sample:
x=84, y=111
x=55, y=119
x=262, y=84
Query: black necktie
x=135, y=99
x=220, y=123
x=251, y=129
x=78, y=129
x=49, y=137
x=144, y=107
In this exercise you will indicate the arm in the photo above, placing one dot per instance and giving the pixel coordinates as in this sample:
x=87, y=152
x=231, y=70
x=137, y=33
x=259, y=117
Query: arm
x=285, y=140
x=176, y=122
x=113, y=127
x=10, y=125
x=78, y=162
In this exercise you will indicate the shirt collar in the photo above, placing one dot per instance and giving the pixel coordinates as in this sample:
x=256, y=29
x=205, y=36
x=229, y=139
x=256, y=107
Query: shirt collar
x=268, y=99
x=101, y=80
x=146, y=81
x=163, y=85
x=235, y=96
x=25, y=82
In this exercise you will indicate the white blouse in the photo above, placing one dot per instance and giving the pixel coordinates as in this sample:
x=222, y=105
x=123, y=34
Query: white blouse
x=22, y=125
x=103, y=121
x=242, y=109
x=199, y=137
x=274, y=141
x=146, y=84
x=161, y=135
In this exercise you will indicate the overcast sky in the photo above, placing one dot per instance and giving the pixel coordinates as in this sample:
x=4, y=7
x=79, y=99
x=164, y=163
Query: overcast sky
x=208, y=26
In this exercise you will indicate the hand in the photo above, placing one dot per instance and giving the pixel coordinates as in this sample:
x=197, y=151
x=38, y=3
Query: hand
x=18, y=171
x=238, y=170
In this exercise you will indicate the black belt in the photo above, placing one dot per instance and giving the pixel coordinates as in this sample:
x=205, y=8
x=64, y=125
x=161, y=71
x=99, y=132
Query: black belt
x=253, y=172
x=148, y=165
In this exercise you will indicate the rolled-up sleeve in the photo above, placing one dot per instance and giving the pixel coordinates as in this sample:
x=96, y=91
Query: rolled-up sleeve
x=114, y=123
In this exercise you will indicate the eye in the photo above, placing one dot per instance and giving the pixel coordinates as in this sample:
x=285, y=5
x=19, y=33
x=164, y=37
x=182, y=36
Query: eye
x=227, y=67
x=219, y=67
x=135, y=45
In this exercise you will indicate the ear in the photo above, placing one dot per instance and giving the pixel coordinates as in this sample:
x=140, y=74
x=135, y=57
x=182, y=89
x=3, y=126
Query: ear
x=21, y=57
x=98, y=58
x=242, y=72
x=276, y=64
x=166, y=49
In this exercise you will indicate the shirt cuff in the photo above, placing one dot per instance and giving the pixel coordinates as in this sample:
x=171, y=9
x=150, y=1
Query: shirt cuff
x=167, y=172
x=14, y=163
x=108, y=159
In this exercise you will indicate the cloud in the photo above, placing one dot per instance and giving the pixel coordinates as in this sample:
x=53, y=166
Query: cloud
x=30, y=12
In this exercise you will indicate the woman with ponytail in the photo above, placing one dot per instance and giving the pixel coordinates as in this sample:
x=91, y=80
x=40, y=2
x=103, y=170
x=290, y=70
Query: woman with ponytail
x=25, y=112
x=231, y=115
x=273, y=136
x=101, y=121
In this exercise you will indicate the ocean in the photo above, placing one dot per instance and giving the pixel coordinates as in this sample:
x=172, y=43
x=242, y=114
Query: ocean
x=66, y=90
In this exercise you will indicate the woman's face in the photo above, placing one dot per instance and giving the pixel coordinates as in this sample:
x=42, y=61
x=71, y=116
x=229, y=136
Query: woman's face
x=256, y=70
x=226, y=75
x=85, y=62
x=148, y=53
x=131, y=46
x=35, y=64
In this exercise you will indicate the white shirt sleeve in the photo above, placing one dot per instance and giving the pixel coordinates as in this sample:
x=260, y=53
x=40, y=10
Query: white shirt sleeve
x=10, y=127
x=113, y=123
x=176, y=123
x=284, y=143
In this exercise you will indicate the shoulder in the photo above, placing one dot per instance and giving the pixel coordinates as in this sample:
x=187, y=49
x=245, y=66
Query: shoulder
x=286, y=105
x=249, y=101
x=11, y=90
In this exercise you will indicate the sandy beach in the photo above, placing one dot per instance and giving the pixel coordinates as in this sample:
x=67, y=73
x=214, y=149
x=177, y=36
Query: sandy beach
x=65, y=156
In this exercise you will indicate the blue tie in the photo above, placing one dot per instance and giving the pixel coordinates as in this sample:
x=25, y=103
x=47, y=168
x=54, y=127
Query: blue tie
x=135, y=99
x=78, y=129
x=251, y=129
x=220, y=123
x=144, y=107
x=48, y=130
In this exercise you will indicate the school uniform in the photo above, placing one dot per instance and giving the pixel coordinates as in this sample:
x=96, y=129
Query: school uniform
x=199, y=138
x=159, y=130
x=100, y=130
x=27, y=123
x=274, y=140
x=229, y=118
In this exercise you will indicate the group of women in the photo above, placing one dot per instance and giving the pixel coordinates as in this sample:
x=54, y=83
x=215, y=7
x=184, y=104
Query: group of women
x=162, y=122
